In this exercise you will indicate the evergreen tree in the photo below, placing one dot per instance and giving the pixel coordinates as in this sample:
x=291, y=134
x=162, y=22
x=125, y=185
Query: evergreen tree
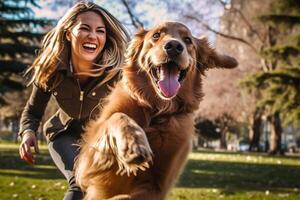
x=20, y=35
x=279, y=86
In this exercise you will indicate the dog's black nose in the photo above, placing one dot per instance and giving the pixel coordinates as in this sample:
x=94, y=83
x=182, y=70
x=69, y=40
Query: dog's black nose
x=173, y=48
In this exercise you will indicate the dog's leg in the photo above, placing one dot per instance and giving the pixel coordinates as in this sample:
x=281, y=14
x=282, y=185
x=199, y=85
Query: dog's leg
x=117, y=145
x=128, y=142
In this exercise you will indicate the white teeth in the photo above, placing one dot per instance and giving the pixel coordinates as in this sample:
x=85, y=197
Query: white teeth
x=162, y=74
x=89, y=45
x=158, y=72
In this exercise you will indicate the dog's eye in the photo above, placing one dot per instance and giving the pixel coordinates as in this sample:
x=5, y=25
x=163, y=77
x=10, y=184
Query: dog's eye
x=188, y=40
x=156, y=35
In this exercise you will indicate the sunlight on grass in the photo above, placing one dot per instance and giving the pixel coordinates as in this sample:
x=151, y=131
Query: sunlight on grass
x=244, y=158
x=208, y=175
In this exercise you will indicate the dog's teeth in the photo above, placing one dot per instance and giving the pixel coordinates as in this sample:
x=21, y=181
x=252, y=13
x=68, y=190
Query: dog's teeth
x=162, y=75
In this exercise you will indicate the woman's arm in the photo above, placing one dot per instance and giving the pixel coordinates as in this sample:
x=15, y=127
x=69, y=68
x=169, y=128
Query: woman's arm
x=34, y=110
x=30, y=121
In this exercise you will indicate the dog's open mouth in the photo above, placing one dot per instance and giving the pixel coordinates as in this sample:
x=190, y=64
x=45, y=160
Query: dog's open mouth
x=168, y=78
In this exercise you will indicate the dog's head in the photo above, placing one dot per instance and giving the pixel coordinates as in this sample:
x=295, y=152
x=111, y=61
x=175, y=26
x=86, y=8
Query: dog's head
x=168, y=52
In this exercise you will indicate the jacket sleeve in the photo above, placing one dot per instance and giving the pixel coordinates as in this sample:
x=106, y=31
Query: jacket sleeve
x=34, y=109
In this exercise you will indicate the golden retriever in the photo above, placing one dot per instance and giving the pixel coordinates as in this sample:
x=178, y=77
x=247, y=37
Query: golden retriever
x=140, y=143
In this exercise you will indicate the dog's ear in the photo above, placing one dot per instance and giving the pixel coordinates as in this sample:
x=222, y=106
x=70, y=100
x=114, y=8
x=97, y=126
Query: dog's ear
x=207, y=57
x=135, y=45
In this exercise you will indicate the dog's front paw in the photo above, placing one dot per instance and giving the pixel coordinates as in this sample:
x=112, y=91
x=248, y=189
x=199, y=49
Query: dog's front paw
x=133, y=151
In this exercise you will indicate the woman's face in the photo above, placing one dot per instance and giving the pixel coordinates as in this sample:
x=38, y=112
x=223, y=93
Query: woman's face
x=87, y=37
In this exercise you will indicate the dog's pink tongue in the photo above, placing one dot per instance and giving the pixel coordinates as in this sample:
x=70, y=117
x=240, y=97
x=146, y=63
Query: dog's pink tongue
x=168, y=82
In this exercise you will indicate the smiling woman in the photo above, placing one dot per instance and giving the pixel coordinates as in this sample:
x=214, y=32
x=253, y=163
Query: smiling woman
x=80, y=59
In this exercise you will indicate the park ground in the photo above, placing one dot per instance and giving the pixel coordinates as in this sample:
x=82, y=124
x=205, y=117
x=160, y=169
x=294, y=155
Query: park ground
x=208, y=175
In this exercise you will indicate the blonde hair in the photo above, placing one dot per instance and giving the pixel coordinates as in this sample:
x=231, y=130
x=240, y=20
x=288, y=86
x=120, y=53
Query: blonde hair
x=56, y=48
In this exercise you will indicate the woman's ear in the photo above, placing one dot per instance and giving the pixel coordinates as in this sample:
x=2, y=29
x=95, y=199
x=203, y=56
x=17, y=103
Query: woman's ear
x=207, y=57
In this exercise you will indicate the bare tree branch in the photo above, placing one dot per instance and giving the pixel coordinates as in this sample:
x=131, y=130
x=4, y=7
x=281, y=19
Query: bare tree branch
x=222, y=34
x=248, y=24
x=223, y=3
x=135, y=21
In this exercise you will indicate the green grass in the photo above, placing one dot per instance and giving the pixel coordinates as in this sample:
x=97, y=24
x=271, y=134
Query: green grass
x=208, y=175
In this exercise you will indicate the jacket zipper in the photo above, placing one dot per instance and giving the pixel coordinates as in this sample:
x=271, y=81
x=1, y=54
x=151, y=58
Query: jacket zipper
x=80, y=99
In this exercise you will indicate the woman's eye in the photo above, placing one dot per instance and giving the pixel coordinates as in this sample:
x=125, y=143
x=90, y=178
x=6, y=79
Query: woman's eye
x=156, y=35
x=188, y=40
x=84, y=28
x=100, y=31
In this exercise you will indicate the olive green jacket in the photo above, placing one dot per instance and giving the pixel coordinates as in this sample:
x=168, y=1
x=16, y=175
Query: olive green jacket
x=76, y=103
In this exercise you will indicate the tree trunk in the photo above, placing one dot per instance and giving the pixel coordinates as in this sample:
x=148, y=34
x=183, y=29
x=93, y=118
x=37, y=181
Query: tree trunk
x=223, y=142
x=276, y=131
x=255, y=130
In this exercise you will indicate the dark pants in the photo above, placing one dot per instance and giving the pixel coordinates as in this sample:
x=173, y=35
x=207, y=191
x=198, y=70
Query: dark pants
x=63, y=150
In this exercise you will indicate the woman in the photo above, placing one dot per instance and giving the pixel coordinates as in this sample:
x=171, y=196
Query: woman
x=79, y=60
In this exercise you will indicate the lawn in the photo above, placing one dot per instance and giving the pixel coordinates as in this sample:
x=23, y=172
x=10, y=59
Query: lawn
x=208, y=175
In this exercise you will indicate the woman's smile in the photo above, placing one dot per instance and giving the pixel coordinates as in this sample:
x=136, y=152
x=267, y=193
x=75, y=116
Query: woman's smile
x=90, y=47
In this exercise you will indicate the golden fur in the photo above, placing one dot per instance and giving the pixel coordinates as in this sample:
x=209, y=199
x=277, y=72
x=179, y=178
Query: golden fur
x=139, y=144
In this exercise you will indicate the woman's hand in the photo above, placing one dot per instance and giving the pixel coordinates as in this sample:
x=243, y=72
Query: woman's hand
x=28, y=140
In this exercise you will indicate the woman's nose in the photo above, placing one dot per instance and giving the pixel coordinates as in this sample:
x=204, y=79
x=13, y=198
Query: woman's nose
x=92, y=35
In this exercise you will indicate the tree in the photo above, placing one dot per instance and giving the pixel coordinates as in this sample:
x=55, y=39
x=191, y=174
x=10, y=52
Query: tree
x=240, y=25
x=217, y=128
x=207, y=131
x=207, y=128
x=255, y=129
x=279, y=86
x=225, y=122
x=20, y=34
x=243, y=36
